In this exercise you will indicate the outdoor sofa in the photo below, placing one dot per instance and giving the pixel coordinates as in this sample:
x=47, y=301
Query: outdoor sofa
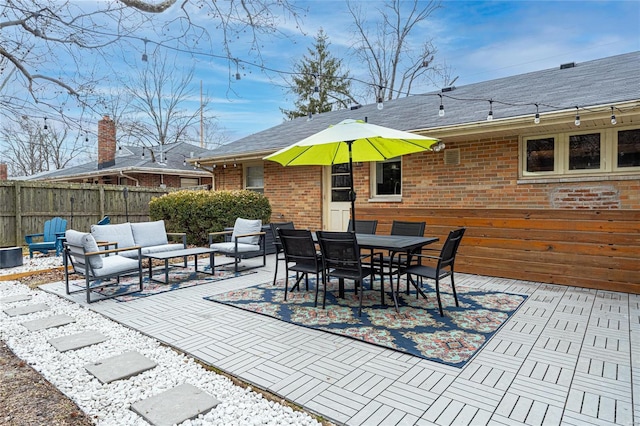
x=151, y=237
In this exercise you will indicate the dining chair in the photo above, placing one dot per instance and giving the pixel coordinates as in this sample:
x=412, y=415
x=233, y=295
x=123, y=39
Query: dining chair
x=278, y=245
x=341, y=258
x=390, y=261
x=363, y=226
x=444, y=266
x=301, y=256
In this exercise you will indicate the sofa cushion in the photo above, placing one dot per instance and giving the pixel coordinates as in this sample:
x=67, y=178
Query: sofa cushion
x=247, y=226
x=147, y=234
x=88, y=243
x=119, y=233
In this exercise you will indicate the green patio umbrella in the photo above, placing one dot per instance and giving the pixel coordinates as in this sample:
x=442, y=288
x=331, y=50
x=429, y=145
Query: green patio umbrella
x=349, y=141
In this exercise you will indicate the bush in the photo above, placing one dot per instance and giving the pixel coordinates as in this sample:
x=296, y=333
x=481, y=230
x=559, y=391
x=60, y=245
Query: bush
x=199, y=212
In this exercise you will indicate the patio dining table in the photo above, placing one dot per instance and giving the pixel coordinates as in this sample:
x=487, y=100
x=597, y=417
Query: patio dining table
x=395, y=244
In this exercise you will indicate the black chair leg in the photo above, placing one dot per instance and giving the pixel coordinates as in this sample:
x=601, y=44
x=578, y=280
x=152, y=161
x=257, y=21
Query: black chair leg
x=286, y=282
x=438, y=296
x=324, y=291
x=361, y=293
x=453, y=287
x=275, y=274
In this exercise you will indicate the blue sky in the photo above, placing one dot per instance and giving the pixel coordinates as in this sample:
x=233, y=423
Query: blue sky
x=478, y=40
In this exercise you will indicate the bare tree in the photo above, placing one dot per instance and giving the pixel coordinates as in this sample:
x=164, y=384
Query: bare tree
x=158, y=97
x=53, y=53
x=31, y=148
x=392, y=63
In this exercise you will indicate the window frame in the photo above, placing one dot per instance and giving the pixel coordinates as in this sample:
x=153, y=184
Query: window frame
x=245, y=177
x=615, y=152
x=608, y=155
x=373, y=179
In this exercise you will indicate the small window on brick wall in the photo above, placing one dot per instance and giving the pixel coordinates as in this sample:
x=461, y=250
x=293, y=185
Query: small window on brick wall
x=628, y=149
x=580, y=153
x=386, y=178
x=254, y=178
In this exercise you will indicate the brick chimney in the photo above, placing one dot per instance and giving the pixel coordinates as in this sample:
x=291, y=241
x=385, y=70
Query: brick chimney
x=3, y=171
x=106, y=142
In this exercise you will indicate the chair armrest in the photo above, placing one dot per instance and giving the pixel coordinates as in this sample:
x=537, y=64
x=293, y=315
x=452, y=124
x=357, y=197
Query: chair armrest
x=217, y=234
x=29, y=238
x=107, y=244
x=373, y=256
x=419, y=256
x=116, y=250
x=183, y=236
x=251, y=235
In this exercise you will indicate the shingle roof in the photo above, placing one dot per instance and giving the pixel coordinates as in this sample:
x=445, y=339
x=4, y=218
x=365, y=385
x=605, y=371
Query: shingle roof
x=605, y=81
x=129, y=159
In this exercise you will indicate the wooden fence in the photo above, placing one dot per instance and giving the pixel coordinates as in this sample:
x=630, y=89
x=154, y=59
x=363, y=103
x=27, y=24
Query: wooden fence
x=584, y=248
x=26, y=205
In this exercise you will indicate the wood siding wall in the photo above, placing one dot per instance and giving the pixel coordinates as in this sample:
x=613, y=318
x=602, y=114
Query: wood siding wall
x=25, y=206
x=583, y=248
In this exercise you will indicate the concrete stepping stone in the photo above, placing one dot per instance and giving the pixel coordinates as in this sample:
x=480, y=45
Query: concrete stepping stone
x=48, y=322
x=16, y=298
x=27, y=309
x=176, y=405
x=77, y=341
x=119, y=367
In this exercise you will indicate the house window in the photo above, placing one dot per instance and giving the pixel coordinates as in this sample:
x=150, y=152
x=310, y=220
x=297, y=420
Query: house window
x=611, y=150
x=340, y=182
x=584, y=151
x=254, y=178
x=189, y=182
x=540, y=155
x=386, y=179
x=628, y=148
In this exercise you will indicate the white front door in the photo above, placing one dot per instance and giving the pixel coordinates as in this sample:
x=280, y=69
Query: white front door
x=337, y=207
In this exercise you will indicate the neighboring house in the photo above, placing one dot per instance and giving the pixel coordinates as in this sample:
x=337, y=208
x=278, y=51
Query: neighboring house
x=556, y=201
x=164, y=167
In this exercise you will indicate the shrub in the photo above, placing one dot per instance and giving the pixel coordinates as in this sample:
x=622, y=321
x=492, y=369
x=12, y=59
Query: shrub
x=199, y=212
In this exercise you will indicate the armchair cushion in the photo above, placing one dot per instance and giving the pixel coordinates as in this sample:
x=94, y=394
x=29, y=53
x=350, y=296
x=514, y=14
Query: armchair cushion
x=88, y=243
x=230, y=247
x=119, y=233
x=247, y=226
x=114, y=264
x=148, y=234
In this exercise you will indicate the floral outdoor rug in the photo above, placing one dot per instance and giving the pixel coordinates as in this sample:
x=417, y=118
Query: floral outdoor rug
x=416, y=329
x=179, y=277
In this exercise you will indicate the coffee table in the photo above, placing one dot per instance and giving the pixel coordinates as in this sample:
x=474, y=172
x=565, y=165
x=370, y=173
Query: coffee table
x=184, y=253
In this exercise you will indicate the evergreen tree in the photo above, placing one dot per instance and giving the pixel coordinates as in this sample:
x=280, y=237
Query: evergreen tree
x=318, y=82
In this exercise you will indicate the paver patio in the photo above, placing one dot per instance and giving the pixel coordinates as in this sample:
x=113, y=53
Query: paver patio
x=569, y=356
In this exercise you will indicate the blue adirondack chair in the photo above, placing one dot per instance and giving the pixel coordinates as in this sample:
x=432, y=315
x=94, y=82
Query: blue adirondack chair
x=49, y=239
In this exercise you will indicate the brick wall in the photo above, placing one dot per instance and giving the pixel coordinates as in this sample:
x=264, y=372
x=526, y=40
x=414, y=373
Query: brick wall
x=228, y=178
x=485, y=178
x=3, y=171
x=295, y=194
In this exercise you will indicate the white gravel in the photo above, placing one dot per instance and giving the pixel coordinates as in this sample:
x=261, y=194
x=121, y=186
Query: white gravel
x=108, y=404
x=36, y=264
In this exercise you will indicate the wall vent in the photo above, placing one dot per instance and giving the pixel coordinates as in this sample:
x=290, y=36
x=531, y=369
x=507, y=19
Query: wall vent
x=567, y=65
x=452, y=157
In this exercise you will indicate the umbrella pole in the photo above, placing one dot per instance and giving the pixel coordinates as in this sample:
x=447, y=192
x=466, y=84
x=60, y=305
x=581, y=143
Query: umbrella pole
x=352, y=193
